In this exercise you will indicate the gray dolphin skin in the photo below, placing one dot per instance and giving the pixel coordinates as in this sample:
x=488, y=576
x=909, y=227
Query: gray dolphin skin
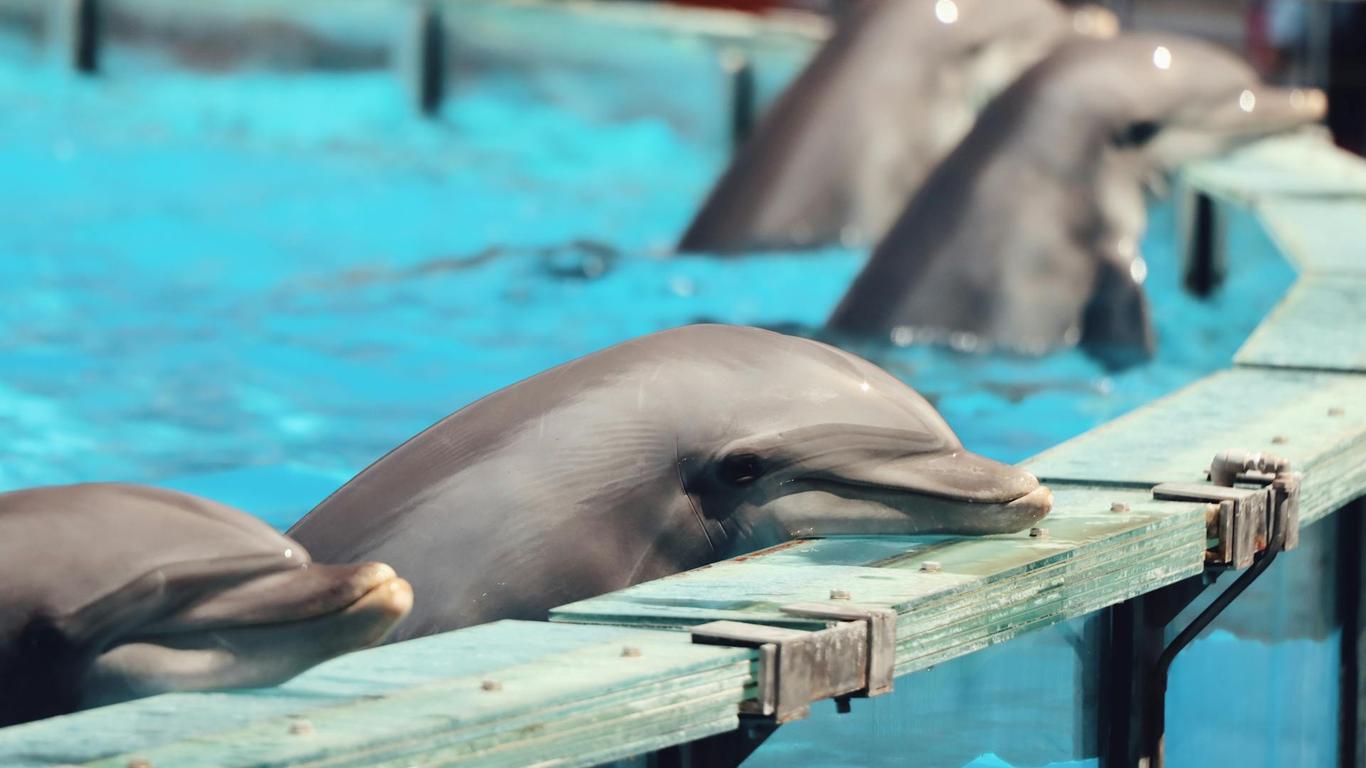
x=112, y=592
x=652, y=457
x=839, y=153
x=1026, y=235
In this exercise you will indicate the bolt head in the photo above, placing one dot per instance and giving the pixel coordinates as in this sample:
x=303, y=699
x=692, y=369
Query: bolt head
x=300, y=728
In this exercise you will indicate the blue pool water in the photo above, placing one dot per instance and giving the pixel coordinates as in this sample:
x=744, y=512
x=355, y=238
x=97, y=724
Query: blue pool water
x=251, y=286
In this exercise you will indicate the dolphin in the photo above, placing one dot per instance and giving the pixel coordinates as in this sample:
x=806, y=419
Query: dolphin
x=658, y=455
x=1026, y=236
x=112, y=592
x=899, y=83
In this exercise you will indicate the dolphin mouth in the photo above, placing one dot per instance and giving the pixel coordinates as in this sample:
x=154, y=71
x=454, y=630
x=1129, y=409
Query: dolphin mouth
x=220, y=644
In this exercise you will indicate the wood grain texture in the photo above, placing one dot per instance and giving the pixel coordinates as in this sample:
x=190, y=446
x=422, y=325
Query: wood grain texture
x=1320, y=324
x=985, y=590
x=1316, y=420
x=1319, y=236
x=559, y=687
x=1300, y=164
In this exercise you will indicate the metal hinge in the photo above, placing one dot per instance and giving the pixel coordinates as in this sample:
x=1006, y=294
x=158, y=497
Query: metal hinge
x=854, y=657
x=1251, y=497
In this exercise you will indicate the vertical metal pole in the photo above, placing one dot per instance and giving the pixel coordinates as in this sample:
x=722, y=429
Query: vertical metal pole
x=1202, y=242
x=739, y=71
x=1351, y=593
x=1131, y=727
x=79, y=34
x=423, y=60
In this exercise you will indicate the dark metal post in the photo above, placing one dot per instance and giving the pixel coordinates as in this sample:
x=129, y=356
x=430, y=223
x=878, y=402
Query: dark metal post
x=1203, y=243
x=423, y=58
x=1351, y=594
x=739, y=71
x=724, y=750
x=79, y=34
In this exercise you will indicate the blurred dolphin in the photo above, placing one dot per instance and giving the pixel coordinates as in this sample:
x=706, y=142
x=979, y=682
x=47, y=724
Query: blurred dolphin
x=661, y=454
x=1026, y=236
x=842, y=150
x=111, y=592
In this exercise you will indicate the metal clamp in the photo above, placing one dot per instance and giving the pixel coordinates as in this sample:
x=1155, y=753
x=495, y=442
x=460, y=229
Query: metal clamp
x=856, y=656
x=1251, y=496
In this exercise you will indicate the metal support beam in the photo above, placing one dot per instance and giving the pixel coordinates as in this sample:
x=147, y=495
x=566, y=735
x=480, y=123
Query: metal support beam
x=739, y=72
x=1351, y=593
x=422, y=57
x=78, y=34
x=1202, y=242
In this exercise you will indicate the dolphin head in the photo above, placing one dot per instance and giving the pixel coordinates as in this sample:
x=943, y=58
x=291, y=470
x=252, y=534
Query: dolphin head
x=1183, y=98
x=781, y=437
x=115, y=591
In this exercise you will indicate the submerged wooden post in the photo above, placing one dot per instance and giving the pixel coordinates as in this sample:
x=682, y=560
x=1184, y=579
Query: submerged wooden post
x=78, y=34
x=739, y=71
x=422, y=57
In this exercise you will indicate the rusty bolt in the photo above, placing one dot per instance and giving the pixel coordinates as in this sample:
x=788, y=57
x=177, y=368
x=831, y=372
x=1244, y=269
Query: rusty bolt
x=1337, y=411
x=929, y=566
x=301, y=728
x=630, y=651
x=1038, y=533
x=840, y=594
x=1119, y=506
x=491, y=685
x=1280, y=440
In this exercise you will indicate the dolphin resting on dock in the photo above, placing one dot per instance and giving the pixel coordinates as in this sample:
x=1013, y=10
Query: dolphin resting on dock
x=111, y=592
x=1026, y=235
x=661, y=454
x=841, y=151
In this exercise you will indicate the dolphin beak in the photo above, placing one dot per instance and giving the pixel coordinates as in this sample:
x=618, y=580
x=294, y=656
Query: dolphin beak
x=952, y=474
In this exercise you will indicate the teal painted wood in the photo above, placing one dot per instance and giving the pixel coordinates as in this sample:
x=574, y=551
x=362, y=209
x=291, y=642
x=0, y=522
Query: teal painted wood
x=1301, y=164
x=1316, y=420
x=561, y=686
x=1318, y=235
x=1320, y=324
x=986, y=589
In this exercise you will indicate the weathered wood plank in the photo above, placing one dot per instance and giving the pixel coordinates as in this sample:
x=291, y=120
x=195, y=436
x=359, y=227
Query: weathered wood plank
x=1304, y=163
x=426, y=694
x=982, y=590
x=1316, y=420
x=1318, y=235
x=1320, y=324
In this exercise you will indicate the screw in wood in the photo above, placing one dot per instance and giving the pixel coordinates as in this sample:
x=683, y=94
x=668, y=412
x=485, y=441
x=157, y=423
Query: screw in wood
x=301, y=728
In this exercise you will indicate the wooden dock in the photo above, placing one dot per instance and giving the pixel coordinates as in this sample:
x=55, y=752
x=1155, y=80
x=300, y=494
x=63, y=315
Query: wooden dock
x=619, y=675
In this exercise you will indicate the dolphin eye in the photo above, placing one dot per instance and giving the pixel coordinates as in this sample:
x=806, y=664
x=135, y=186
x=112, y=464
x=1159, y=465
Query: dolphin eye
x=1138, y=134
x=741, y=468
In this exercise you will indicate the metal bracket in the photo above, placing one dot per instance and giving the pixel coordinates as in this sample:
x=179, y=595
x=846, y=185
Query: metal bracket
x=853, y=657
x=1249, y=497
